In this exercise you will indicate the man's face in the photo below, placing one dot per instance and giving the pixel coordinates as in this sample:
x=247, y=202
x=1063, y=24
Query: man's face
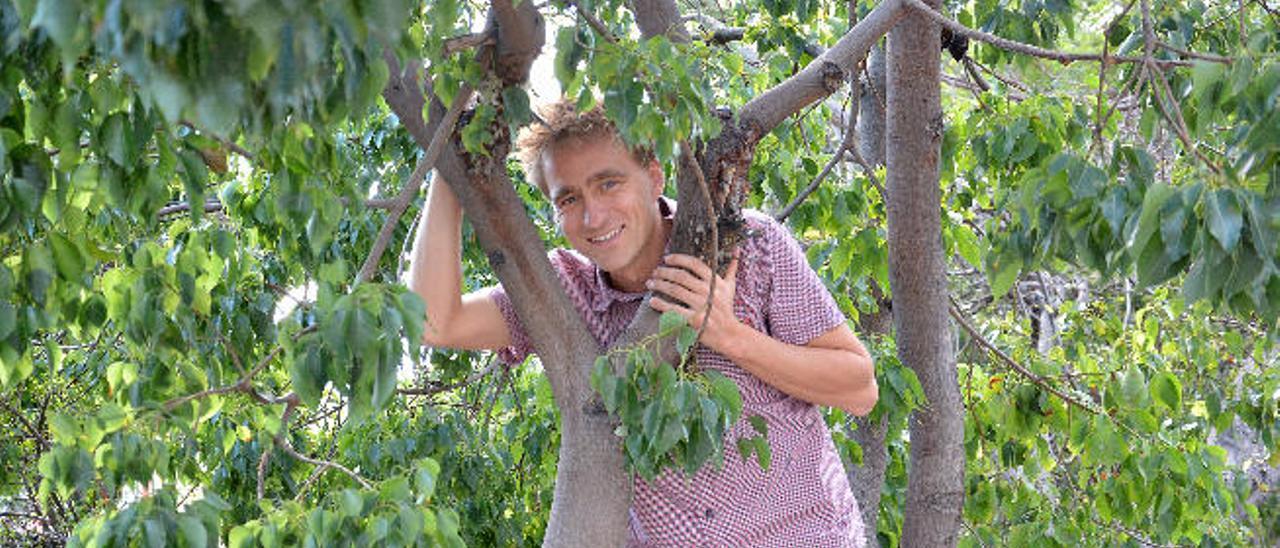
x=606, y=204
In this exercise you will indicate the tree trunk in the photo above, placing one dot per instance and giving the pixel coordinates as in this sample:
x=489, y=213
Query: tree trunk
x=871, y=110
x=867, y=480
x=917, y=276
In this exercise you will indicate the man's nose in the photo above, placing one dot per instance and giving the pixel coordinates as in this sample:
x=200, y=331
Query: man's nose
x=592, y=215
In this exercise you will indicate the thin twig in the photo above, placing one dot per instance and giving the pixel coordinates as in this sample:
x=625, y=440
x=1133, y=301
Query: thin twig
x=595, y=23
x=225, y=142
x=687, y=152
x=415, y=182
x=323, y=464
x=848, y=142
x=1212, y=58
x=786, y=211
x=1173, y=113
x=466, y=41
x=1010, y=362
x=1065, y=58
x=433, y=390
x=262, y=471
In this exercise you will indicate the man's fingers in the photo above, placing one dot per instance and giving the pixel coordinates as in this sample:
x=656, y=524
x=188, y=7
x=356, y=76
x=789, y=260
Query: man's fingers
x=678, y=291
x=679, y=276
x=663, y=305
x=690, y=263
x=731, y=273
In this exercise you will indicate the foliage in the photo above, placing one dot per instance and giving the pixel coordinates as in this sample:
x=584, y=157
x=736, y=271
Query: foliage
x=670, y=416
x=183, y=209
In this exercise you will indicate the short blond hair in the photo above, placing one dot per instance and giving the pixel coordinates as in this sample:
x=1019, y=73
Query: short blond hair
x=561, y=122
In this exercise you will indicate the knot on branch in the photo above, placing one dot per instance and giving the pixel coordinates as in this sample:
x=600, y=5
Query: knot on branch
x=497, y=258
x=832, y=76
x=520, y=32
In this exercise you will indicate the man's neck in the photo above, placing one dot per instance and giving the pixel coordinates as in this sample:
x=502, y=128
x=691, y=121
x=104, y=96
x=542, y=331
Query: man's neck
x=631, y=280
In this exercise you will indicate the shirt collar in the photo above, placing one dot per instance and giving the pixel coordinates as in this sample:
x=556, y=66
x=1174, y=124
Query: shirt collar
x=605, y=294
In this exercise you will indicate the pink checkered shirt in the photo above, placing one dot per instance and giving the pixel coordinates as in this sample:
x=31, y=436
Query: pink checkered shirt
x=803, y=499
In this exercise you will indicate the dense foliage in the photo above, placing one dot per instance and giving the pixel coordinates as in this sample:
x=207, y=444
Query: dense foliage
x=188, y=190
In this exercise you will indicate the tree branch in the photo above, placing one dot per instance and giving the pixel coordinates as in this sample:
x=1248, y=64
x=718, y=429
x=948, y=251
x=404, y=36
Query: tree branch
x=433, y=390
x=401, y=201
x=824, y=75
x=1028, y=49
x=1011, y=363
x=659, y=17
x=323, y=464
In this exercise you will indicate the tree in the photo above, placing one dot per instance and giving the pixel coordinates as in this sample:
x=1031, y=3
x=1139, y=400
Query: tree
x=172, y=175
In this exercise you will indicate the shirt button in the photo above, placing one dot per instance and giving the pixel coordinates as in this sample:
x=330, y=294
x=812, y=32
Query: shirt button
x=710, y=514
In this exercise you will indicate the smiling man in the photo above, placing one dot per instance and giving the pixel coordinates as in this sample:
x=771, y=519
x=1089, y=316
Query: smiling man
x=773, y=329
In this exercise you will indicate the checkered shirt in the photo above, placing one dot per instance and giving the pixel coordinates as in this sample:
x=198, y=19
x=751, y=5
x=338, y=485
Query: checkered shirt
x=803, y=499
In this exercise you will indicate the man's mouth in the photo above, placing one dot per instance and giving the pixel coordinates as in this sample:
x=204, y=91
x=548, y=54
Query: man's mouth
x=605, y=238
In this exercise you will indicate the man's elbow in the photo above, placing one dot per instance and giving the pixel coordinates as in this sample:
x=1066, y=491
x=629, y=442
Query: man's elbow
x=863, y=400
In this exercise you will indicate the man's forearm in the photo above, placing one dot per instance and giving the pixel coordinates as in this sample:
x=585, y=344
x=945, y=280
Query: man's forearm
x=835, y=370
x=435, y=267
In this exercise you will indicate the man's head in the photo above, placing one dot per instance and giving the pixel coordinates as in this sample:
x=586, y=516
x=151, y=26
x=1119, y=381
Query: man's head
x=605, y=194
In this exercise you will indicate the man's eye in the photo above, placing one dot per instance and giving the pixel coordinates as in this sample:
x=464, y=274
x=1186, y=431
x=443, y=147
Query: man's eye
x=608, y=184
x=566, y=202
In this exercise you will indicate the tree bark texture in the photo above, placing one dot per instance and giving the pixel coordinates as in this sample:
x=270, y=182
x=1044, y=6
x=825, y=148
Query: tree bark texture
x=871, y=110
x=917, y=275
x=867, y=480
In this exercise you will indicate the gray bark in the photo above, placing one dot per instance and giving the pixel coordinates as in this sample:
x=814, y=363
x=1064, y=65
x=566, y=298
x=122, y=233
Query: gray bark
x=867, y=480
x=871, y=110
x=917, y=276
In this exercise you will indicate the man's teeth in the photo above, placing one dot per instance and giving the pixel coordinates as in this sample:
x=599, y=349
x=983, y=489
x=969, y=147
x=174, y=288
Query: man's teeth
x=606, y=237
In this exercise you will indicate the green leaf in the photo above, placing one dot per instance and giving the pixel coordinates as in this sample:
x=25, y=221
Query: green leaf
x=1133, y=388
x=308, y=375
x=1166, y=389
x=1149, y=217
x=67, y=257
x=764, y=455
x=669, y=321
x=516, y=102
x=193, y=531
x=725, y=391
x=685, y=337
x=1223, y=215
x=1003, y=271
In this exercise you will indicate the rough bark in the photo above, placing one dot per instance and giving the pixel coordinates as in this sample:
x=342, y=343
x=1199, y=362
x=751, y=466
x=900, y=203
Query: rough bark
x=917, y=276
x=823, y=75
x=659, y=17
x=871, y=110
x=867, y=480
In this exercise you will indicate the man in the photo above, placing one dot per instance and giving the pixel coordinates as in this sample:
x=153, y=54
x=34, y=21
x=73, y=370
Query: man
x=773, y=329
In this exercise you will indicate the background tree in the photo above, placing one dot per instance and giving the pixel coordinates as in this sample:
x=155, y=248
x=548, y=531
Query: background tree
x=202, y=335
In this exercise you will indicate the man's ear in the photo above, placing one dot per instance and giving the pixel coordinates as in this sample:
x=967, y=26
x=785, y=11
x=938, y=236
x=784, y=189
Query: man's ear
x=656, y=177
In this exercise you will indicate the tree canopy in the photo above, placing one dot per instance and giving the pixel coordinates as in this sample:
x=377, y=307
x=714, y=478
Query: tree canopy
x=204, y=208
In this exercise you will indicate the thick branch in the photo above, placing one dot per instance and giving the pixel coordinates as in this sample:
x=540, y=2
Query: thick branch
x=824, y=75
x=658, y=17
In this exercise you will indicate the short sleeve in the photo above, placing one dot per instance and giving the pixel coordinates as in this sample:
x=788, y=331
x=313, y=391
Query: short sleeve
x=521, y=346
x=800, y=308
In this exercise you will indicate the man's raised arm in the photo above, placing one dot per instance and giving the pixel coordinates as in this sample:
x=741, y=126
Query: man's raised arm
x=470, y=322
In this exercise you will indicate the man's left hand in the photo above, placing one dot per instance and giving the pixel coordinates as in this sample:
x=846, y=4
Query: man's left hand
x=688, y=279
